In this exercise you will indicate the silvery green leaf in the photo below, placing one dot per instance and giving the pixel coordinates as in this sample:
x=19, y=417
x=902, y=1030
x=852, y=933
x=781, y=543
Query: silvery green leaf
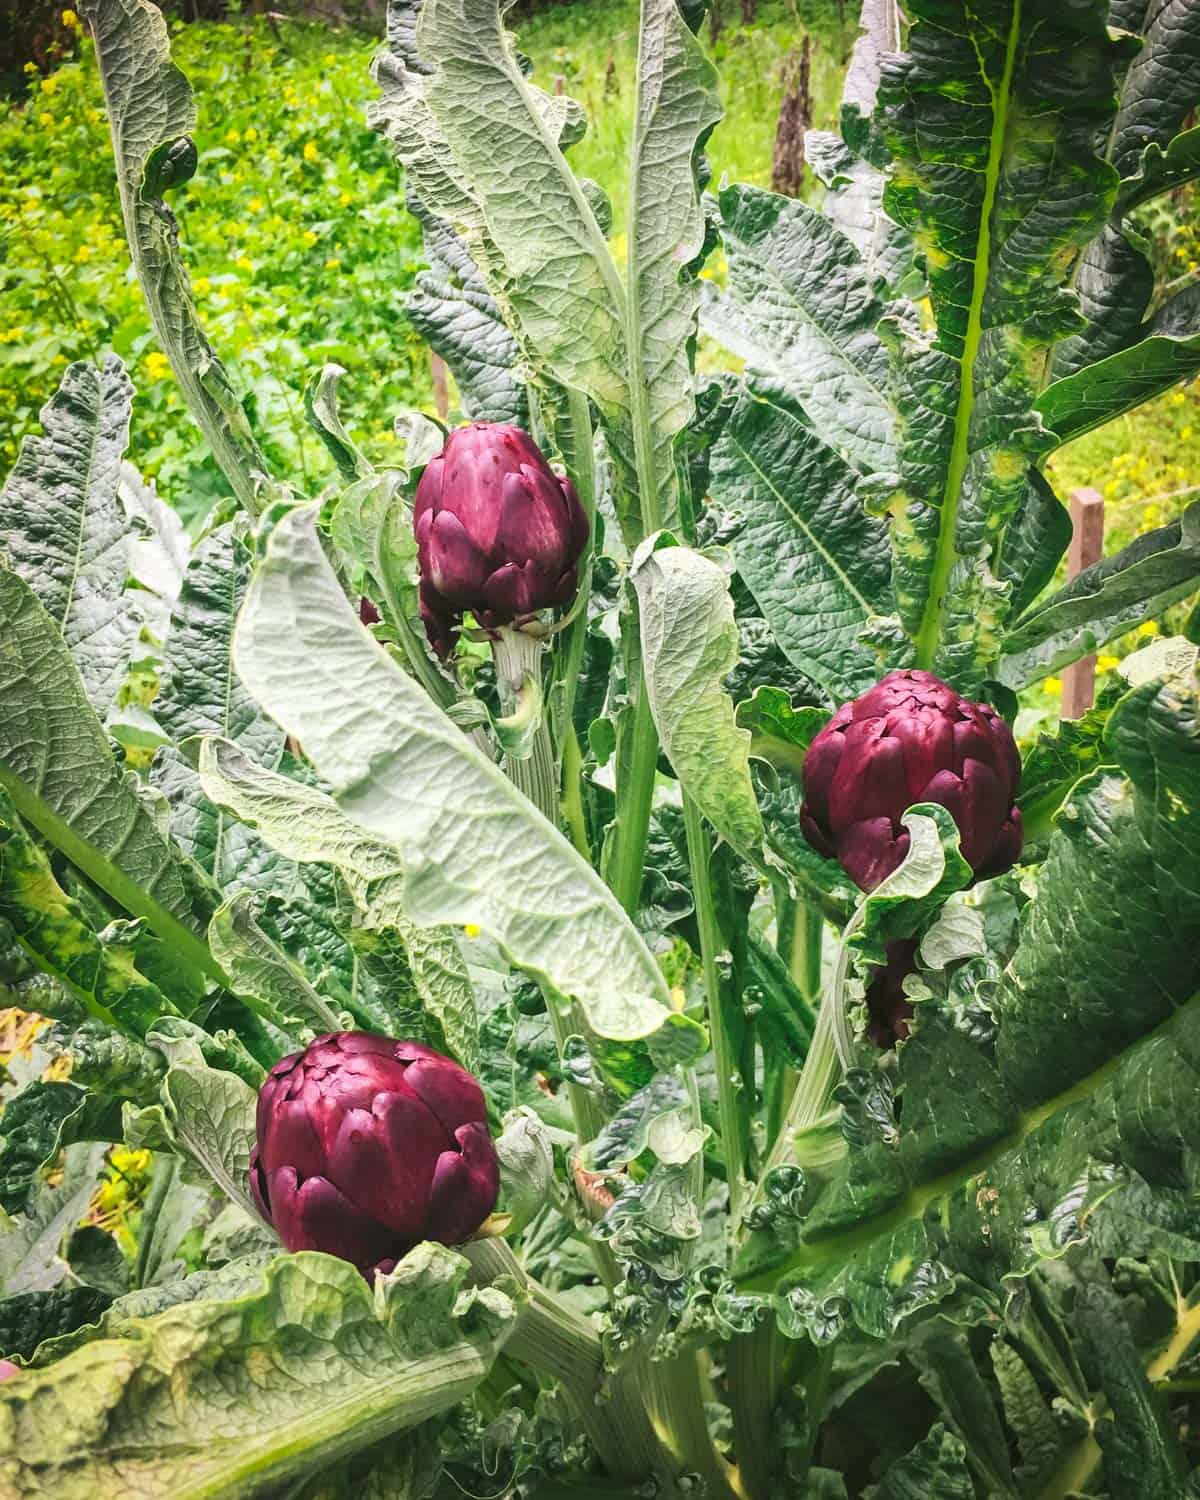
x=99, y=971
x=1016, y=147
x=246, y=1387
x=471, y=848
x=853, y=203
x=957, y=933
x=262, y=973
x=151, y=116
x=57, y=766
x=1169, y=656
x=1104, y=601
x=689, y=644
x=817, y=564
x=423, y=439
x=526, y=1155
x=200, y=692
x=209, y=1117
x=455, y=313
x=544, y=254
x=159, y=549
x=321, y=409
x=62, y=529
x=29, y=1243
x=801, y=310
x=932, y=869
x=305, y=824
x=1163, y=356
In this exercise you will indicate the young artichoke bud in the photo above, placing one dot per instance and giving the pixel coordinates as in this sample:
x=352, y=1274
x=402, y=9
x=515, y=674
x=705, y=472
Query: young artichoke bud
x=498, y=532
x=367, y=1146
x=911, y=738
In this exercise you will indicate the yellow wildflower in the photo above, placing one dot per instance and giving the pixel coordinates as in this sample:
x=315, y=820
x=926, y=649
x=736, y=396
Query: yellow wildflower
x=1148, y=627
x=250, y=134
x=1186, y=432
x=70, y=20
x=309, y=238
x=333, y=264
x=157, y=365
x=1107, y=663
x=472, y=929
x=232, y=137
x=46, y=118
x=244, y=263
x=1053, y=686
x=83, y=254
x=345, y=200
x=256, y=205
x=202, y=286
x=310, y=151
x=50, y=84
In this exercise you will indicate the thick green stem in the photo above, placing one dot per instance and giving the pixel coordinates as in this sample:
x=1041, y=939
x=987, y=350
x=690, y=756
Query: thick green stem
x=729, y=1103
x=677, y=1394
x=811, y=1099
x=752, y=1376
x=637, y=758
x=555, y=1340
x=804, y=955
x=518, y=659
x=161, y=1179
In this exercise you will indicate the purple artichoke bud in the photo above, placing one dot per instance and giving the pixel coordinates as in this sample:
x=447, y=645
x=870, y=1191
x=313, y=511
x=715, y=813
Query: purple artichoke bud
x=889, y=1010
x=911, y=738
x=498, y=532
x=367, y=1146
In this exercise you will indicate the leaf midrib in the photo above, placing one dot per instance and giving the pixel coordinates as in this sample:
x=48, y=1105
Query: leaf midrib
x=929, y=634
x=766, y=272
x=841, y=1247
x=818, y=547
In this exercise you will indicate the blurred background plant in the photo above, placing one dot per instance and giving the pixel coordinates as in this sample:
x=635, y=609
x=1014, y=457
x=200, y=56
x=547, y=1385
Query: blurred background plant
x=301, y=250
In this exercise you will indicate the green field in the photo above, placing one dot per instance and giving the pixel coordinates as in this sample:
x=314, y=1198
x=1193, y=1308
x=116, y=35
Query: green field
x=301, y=250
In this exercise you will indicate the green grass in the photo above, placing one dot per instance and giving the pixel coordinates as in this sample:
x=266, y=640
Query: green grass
x=294, y=230
x=577, y=42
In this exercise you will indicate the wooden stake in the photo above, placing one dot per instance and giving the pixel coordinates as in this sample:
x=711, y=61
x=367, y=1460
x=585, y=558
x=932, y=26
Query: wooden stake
x=441, y=386
x=1087, y=547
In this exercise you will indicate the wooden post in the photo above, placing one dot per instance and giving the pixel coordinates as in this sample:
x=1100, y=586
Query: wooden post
x=441, y=387
x=1087, y=547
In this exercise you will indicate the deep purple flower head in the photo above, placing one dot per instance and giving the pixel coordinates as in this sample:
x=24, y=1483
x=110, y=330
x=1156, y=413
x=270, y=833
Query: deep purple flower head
x=498, y=532
x=911, y=738
x=367, y=1146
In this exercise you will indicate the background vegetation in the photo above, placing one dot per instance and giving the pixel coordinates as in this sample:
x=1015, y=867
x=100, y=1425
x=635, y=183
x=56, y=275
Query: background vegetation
x=301, y=250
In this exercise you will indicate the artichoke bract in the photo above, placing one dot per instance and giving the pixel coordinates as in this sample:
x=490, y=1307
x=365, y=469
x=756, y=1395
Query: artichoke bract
x=911, y=738
x=498, y=532
x=366, y=1146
